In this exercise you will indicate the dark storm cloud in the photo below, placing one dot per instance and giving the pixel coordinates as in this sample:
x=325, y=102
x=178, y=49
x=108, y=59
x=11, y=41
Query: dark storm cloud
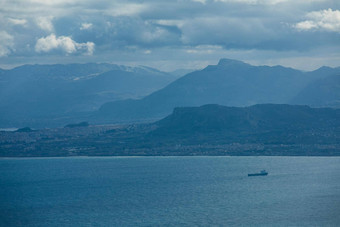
x=60, y=27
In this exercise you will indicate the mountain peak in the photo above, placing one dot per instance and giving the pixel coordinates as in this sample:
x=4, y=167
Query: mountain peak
x=230, y=62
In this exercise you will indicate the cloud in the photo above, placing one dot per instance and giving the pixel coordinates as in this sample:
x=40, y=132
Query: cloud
x=6, y=43
x=177, y=23
x=153, y=35
x=201, y=29
x=230, y=32
x=327, y=20
x=45, y=23
x=201, y=1
x=266, y=2
x=50, y=2
x=121, y=32
x=16, y=21
x=125, y=9
x=64, y=43
x=86, y=26
x=204, y=49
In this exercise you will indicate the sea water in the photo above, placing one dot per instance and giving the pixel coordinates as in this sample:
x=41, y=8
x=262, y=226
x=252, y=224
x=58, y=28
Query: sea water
x=170, y=191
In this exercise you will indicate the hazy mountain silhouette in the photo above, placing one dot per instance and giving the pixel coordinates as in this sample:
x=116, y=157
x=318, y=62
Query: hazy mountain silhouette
x=323, y=92
x=181, y=72
x=37, y=92
x=55, y=95
x=230, y=83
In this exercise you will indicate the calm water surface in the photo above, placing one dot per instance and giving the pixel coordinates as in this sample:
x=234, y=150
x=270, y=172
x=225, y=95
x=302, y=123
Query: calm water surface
x=170, y=191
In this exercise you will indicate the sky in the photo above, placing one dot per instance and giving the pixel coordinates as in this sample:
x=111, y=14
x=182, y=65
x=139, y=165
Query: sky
x=169, y=35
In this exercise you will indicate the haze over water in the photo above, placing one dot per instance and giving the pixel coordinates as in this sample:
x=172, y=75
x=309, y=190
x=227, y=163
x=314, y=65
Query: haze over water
x=171, y=191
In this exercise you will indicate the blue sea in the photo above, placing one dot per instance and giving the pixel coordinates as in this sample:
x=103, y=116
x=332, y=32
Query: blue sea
x=170, y=191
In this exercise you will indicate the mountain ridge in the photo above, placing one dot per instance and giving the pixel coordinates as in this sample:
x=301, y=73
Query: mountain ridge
x=48, y=93
x=55, y=95
x=230, y=82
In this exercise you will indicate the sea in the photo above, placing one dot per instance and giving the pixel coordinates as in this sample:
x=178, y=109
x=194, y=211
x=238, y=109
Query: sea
x=170, y=191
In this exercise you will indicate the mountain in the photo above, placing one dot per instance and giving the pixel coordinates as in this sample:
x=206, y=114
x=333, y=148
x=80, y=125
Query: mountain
x=56, y=95
x=231, y=83
x=259, y=124
x=323, y=92
x=253, y=119
x=33, y=94
x=264, y=129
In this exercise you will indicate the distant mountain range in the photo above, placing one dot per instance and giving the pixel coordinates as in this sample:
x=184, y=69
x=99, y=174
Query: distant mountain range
x=47, y=94
x=231, y=83
x=56, y=95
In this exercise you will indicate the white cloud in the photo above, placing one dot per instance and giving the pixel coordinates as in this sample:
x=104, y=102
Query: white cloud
x=6, y=43
x=126, y=9
x=268, y=2
x=201, y=1
x=177, y=23
x=53, y=2
x=64, y=43
x=328, y=20
x=156, y=34
x=239, y=1
x=89, y=46
x=86, y=26
x=306, y=25
x=16, y=21
x=45, y=23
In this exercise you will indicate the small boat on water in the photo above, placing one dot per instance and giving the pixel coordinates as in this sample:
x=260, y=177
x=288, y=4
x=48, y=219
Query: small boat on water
x=262, y=173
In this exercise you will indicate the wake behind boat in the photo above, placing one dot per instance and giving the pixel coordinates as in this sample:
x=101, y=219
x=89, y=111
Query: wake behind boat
x=262, y=173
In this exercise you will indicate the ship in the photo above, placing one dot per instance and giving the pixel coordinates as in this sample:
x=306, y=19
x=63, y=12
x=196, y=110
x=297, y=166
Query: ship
x=262, y=173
